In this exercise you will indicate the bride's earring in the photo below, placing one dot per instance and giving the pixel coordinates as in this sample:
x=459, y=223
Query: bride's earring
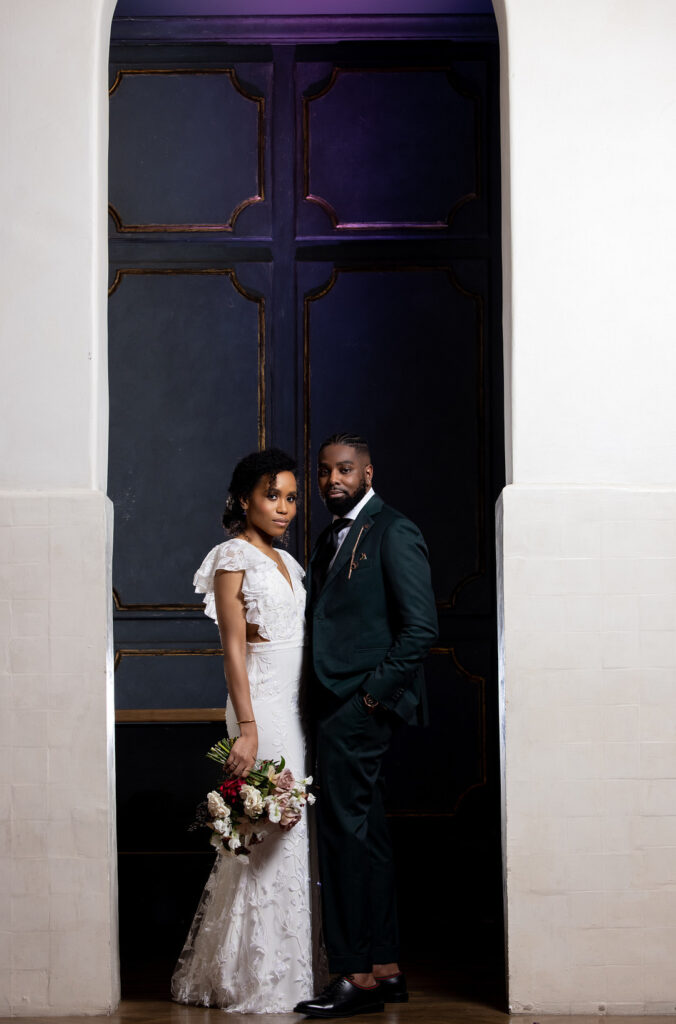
x=244, y=509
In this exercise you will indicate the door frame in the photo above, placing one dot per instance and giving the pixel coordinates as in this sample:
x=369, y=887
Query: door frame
x=307, y=29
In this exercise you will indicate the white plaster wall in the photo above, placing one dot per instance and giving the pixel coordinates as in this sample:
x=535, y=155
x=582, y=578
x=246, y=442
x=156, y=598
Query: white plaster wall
x=588, y=90
x=54, y=117
x=587, y=527
x=57, y=840
x=58, y=928
x=589, y=674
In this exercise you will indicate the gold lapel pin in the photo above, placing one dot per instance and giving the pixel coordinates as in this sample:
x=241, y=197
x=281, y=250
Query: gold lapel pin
x=362, y=558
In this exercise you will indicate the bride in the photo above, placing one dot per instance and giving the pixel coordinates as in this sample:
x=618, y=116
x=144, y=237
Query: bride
x=249, y=949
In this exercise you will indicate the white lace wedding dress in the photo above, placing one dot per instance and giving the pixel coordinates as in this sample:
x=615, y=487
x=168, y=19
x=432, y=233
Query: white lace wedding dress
x=249, y=949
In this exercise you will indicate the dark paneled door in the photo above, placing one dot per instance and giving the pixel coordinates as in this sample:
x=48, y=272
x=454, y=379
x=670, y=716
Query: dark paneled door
x=304, y=238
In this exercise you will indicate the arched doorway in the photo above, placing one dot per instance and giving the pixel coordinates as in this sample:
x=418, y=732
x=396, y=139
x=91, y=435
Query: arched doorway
x=298, y=290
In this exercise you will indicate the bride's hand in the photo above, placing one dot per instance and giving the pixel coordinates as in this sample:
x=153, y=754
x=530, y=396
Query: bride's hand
x=242, y=756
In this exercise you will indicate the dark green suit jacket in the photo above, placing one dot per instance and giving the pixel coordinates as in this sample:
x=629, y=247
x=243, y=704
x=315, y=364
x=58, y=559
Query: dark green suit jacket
x=375, y=617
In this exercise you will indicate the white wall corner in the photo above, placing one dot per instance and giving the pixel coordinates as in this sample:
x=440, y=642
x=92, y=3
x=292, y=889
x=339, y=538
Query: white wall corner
x=59, y=875
x=588, y=663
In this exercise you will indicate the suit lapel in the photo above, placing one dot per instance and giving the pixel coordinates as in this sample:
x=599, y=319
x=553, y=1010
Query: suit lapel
x=359, y=529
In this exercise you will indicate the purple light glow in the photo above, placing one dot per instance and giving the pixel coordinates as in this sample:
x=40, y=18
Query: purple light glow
x=201, y=8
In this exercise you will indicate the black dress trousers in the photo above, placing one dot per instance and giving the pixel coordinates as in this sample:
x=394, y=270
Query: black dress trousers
x=355, y=853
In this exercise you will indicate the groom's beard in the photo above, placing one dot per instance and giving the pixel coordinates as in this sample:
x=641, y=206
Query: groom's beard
x=338, y=506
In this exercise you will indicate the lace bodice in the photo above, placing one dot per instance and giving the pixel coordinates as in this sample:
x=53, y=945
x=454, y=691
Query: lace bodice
x=277, y=609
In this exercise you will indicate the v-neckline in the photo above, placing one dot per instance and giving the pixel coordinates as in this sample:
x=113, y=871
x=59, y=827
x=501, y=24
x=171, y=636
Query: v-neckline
x=286, y=577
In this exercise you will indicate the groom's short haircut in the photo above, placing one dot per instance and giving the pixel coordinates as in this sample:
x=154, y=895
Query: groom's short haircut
x=360, y=444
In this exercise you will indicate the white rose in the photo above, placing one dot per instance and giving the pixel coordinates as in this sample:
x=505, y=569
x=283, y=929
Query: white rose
x=272, y=807
x=253, y=801
x=222, y=827
x=217, y=805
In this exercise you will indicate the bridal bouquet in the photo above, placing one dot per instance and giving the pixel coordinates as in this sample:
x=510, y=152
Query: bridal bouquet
x=241, y=809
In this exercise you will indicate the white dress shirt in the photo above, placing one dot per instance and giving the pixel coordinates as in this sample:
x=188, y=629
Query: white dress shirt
x=352, y=514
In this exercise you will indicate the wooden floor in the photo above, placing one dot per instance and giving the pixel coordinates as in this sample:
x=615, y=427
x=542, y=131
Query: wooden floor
x=434, y=1000
x=429, y=1011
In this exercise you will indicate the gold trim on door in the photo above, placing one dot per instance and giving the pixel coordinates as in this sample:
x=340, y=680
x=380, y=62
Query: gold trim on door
x=167, y=652
x=155, y=716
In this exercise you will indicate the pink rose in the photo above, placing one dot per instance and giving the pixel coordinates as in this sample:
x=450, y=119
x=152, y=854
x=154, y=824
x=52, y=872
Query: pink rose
x=289, y=818
x=288, y=815
x=284, y=781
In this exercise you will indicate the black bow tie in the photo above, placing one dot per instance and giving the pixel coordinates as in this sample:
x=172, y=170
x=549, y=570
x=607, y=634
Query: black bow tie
x=328, y=545
x=336, y=526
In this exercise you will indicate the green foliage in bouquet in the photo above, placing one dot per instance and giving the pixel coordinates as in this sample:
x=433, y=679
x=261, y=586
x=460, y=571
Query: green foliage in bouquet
x=259, y=776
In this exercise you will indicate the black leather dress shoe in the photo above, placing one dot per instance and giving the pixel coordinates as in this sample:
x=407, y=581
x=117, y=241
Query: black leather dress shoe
x=393, y=988
x=342, y=999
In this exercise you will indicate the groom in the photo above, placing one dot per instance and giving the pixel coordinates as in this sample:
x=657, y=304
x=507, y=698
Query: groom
x=372, y=619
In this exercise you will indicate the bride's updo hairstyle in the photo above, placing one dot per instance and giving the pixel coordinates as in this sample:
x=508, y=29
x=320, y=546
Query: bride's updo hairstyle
x=247, y=473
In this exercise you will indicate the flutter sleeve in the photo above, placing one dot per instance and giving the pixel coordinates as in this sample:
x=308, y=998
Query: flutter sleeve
x=228, y=556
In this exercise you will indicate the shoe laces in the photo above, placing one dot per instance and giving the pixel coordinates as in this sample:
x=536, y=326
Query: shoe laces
x=333, y=986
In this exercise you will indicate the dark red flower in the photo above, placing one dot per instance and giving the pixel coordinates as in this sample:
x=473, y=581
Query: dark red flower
x=229, y=790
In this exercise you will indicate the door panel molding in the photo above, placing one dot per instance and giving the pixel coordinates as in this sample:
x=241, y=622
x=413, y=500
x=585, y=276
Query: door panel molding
x=443, y=222
x=165, y=652
x=257, y=197
x=230, y=274
x=120, y=606
x=147, y=716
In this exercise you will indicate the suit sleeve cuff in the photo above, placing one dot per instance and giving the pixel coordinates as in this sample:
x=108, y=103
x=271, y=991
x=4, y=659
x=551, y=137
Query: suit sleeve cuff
x=385, y=702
